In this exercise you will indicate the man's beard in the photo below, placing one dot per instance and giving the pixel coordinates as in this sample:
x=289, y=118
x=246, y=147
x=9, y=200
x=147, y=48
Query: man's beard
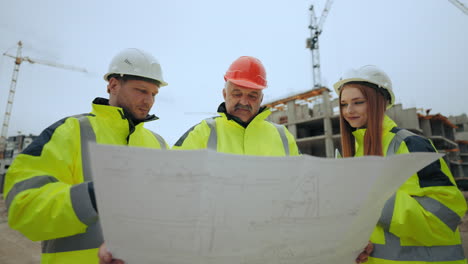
x=131, y=116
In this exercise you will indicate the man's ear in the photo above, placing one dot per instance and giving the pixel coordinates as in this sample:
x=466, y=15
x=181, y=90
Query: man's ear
x=224, y=93
x=113, y=85
x=261, y=98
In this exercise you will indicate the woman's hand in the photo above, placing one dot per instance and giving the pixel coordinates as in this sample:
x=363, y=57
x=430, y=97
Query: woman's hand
x=365, y=253
x=105, y=257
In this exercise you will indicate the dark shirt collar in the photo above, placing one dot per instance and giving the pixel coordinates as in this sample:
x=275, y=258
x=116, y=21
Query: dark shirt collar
x=222, y=109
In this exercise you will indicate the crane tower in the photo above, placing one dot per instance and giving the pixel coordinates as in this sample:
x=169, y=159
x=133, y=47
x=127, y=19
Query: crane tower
x=462, y=6
x=14, y=80
x=312, y=42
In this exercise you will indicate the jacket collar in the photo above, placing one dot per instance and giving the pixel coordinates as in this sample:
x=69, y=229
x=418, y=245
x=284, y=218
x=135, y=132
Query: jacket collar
x=99, y=101
x=359, y=134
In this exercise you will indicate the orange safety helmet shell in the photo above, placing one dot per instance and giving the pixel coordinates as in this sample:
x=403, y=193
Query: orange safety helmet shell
x=247, y=72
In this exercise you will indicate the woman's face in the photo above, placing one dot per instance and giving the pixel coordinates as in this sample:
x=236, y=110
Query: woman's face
x=353, y=106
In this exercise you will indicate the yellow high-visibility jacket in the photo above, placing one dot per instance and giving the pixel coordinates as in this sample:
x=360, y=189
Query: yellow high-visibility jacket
x=48, y=188
x=419, y=223
x=224, y=134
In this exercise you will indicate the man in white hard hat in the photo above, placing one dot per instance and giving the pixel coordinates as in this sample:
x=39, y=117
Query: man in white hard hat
x=48, y=188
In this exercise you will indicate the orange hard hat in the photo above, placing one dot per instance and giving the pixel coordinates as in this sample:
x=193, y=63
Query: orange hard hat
x=247, y=72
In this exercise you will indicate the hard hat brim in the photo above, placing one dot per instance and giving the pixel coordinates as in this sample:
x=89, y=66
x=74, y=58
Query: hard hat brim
x=338, y=85
x=161, y=83
x=247, y=84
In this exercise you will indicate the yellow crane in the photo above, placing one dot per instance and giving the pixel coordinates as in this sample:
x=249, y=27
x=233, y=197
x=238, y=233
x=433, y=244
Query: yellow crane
x=14, y=80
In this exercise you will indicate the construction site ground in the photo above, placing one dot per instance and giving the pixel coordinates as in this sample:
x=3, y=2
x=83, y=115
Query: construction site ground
x=16, y=249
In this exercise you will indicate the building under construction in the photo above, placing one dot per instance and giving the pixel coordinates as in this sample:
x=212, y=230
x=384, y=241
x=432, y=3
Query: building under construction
x=313, y=118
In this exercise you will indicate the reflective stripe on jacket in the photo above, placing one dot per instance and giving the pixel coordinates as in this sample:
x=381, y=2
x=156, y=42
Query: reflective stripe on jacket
x=420, y=222
x=260, y=137
x=47, y=185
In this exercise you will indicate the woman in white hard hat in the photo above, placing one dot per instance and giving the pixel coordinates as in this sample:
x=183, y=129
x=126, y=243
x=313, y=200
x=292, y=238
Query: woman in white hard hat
x=419, y=222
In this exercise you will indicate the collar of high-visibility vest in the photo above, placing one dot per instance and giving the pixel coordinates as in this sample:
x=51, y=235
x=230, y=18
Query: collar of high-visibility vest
x=124, y=113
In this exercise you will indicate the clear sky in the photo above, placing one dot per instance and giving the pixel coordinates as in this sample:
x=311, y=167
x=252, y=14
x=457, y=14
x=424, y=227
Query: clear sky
x=422, y=45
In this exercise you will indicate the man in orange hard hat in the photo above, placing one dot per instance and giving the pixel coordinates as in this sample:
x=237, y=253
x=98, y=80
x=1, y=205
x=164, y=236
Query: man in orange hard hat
x=241, y=127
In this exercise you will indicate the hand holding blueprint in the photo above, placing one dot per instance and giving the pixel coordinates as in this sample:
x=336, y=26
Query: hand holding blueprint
x=203, y=207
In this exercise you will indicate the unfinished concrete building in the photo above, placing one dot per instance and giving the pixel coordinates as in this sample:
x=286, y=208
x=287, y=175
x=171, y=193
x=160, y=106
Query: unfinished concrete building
x=310, y=118
x=461, y=138
x=313, y=118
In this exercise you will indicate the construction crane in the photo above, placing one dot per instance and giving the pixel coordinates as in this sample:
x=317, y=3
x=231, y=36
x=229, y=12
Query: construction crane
x=14, y=80
x=462, y=6
x=312, y=42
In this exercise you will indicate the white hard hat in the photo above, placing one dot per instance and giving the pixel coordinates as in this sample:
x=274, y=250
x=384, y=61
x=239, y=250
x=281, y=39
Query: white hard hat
x=138, y=63
x=370, y=74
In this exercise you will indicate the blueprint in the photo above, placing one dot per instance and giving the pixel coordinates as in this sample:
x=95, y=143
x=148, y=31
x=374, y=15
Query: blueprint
x=203, y=207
